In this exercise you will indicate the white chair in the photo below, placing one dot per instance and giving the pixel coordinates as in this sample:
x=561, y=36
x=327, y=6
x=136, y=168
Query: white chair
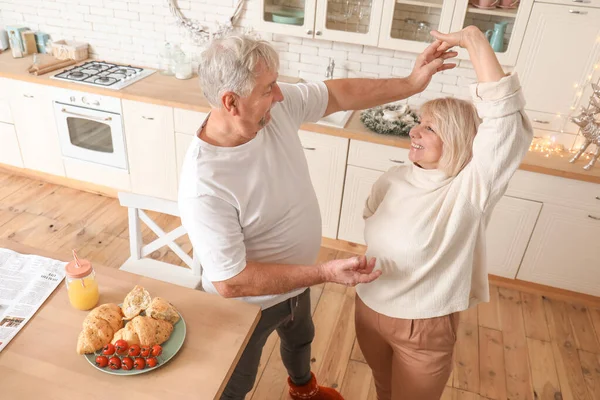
x=137, y=263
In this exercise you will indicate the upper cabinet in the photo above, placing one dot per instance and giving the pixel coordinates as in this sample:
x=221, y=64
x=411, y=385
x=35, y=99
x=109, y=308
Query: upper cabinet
x=399, y=24
x=353, y=21
x=561, y=45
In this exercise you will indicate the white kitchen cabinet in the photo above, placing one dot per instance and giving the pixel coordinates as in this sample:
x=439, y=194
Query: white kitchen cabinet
x=187, y=123
x=352, y=21
x=5, y=113
x=35, y=125
x=326, y=158
x=564, y=251
x=508, y=233
x=10, y=153
x=559, y=50
x=357, y=189
x=150, y=138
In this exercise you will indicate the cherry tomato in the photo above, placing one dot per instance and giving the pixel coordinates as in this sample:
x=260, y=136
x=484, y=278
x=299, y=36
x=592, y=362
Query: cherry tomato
x=127, y=363
x=139, y=363
x=134, y=350
x=121, y=346
x=145, y=351
x=108, y=350
x=151, y=362
x=114, y=362
x=156, y=350
x=102, y=361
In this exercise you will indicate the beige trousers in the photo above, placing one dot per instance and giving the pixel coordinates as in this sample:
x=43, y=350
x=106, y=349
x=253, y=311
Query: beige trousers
x=411, y=359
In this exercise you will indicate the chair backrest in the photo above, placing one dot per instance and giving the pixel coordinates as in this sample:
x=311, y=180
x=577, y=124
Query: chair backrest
x=136, y=205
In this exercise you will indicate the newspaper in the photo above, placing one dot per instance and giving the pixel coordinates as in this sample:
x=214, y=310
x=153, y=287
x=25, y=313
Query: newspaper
x=26, y=281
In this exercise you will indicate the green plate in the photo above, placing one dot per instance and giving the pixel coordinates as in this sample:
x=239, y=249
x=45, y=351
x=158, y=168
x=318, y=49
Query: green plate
x=288, y=16
x=170, y=348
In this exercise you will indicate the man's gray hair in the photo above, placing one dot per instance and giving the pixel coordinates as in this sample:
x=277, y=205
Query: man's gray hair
x=229, y=65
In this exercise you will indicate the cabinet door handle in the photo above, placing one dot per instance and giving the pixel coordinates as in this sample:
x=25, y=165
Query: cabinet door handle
x=28, y=96
x=148, y=118
x=581, y=1
x=597, y=197
x=309, y=148
x=578, y=12
x=318, y=33
x=540, y=121
x=397, y=161
x=593, y=217
x=309, y=32
x=86, y=116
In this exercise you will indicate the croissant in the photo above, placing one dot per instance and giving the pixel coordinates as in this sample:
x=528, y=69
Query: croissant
x=144, y=331
x=162, y=309
x=135, y=302
x=99, y=327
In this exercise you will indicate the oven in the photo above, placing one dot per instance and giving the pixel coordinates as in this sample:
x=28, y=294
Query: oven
x=90, y=128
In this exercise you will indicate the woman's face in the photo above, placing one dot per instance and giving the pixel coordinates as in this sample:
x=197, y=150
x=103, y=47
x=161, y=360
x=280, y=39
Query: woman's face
x=426, y=147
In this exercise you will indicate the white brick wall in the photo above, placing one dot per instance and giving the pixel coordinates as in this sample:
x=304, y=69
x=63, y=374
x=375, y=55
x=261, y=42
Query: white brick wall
x=133, y=32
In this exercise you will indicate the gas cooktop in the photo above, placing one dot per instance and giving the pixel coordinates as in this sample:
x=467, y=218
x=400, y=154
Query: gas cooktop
x=103, y=74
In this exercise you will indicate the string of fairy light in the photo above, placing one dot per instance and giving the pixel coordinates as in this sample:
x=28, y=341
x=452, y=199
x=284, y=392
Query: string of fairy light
x=550, y=146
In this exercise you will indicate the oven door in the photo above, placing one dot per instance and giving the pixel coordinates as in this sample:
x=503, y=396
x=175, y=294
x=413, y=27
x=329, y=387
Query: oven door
x=91, y=135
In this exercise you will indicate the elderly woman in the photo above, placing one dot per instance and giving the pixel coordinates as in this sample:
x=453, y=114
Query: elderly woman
x=425, y=224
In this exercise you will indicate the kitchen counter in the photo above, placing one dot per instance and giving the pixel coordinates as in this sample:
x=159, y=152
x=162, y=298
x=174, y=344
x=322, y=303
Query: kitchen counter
x=186, y=94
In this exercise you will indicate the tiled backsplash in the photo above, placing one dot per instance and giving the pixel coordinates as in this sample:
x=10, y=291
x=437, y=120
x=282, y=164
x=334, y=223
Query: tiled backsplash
x=134, y=31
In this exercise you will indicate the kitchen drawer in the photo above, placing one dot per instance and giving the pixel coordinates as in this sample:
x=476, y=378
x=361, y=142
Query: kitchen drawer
x=550, y=122
x=555, y=190
x=187, y=121
x=376, y=156
x=580, y=3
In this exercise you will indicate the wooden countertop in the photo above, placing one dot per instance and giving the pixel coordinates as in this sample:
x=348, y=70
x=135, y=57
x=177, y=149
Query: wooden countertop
x=41, y=362
x=186, y=94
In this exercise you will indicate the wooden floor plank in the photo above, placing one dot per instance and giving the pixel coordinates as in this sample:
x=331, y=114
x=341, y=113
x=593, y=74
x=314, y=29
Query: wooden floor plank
x=466, y=355
x=338, y=352
x=357, y=381
x=583, y=328
x=566, y=357
x=325, y=319
x=595, y=315
x=491, y=364
x=488, y=312
x=516, y=359
x=543, y=370
x=271, y=345
x=590, y=365
x=534, y=315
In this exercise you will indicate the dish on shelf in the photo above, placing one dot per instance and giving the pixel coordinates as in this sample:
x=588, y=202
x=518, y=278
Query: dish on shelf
x=483, y=7
x=288, y=16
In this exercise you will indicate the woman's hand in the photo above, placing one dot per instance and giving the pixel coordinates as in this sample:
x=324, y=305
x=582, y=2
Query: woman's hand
x=460, y=38
x=428, y=63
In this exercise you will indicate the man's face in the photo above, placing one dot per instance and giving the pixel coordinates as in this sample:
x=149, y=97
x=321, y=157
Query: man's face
x=255, y=109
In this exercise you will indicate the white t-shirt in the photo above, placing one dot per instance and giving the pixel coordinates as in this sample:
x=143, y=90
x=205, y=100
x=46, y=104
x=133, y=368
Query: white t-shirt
x=255, y=202
x=427, y=230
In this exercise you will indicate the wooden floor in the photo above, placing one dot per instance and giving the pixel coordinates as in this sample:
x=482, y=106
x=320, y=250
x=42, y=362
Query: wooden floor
x=518, y=346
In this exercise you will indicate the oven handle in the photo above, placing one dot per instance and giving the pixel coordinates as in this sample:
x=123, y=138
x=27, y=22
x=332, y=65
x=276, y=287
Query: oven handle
x=64, y=110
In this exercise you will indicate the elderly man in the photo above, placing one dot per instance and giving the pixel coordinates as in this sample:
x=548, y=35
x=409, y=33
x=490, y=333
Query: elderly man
x=248, y=204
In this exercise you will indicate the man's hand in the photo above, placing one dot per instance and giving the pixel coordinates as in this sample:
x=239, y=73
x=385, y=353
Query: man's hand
x=428, y=63
x=350, y=271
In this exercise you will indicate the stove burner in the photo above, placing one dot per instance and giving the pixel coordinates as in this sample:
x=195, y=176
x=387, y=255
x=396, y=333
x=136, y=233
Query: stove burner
x=121, y=71
x=103, y=79
x=76, y=74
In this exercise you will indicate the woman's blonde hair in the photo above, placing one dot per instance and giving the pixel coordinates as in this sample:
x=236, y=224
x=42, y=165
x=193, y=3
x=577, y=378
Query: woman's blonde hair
x=456, y=123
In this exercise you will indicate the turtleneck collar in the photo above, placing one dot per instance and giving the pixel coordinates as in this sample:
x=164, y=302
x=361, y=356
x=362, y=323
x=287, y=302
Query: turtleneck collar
x=427, y=178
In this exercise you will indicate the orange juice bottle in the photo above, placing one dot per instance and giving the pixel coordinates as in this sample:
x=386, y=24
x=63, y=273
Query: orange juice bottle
x=82, y=286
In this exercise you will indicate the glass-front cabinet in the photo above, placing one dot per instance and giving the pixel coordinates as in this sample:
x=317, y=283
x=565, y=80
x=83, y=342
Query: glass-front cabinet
x=502, y=21
x=399, y=24
x=407, y=24
x=350, y=21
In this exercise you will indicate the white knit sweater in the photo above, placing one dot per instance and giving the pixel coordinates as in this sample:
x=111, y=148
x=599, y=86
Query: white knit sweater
x=428, y=230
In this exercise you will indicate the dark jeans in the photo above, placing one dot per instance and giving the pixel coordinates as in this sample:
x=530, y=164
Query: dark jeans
x=295, y=328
